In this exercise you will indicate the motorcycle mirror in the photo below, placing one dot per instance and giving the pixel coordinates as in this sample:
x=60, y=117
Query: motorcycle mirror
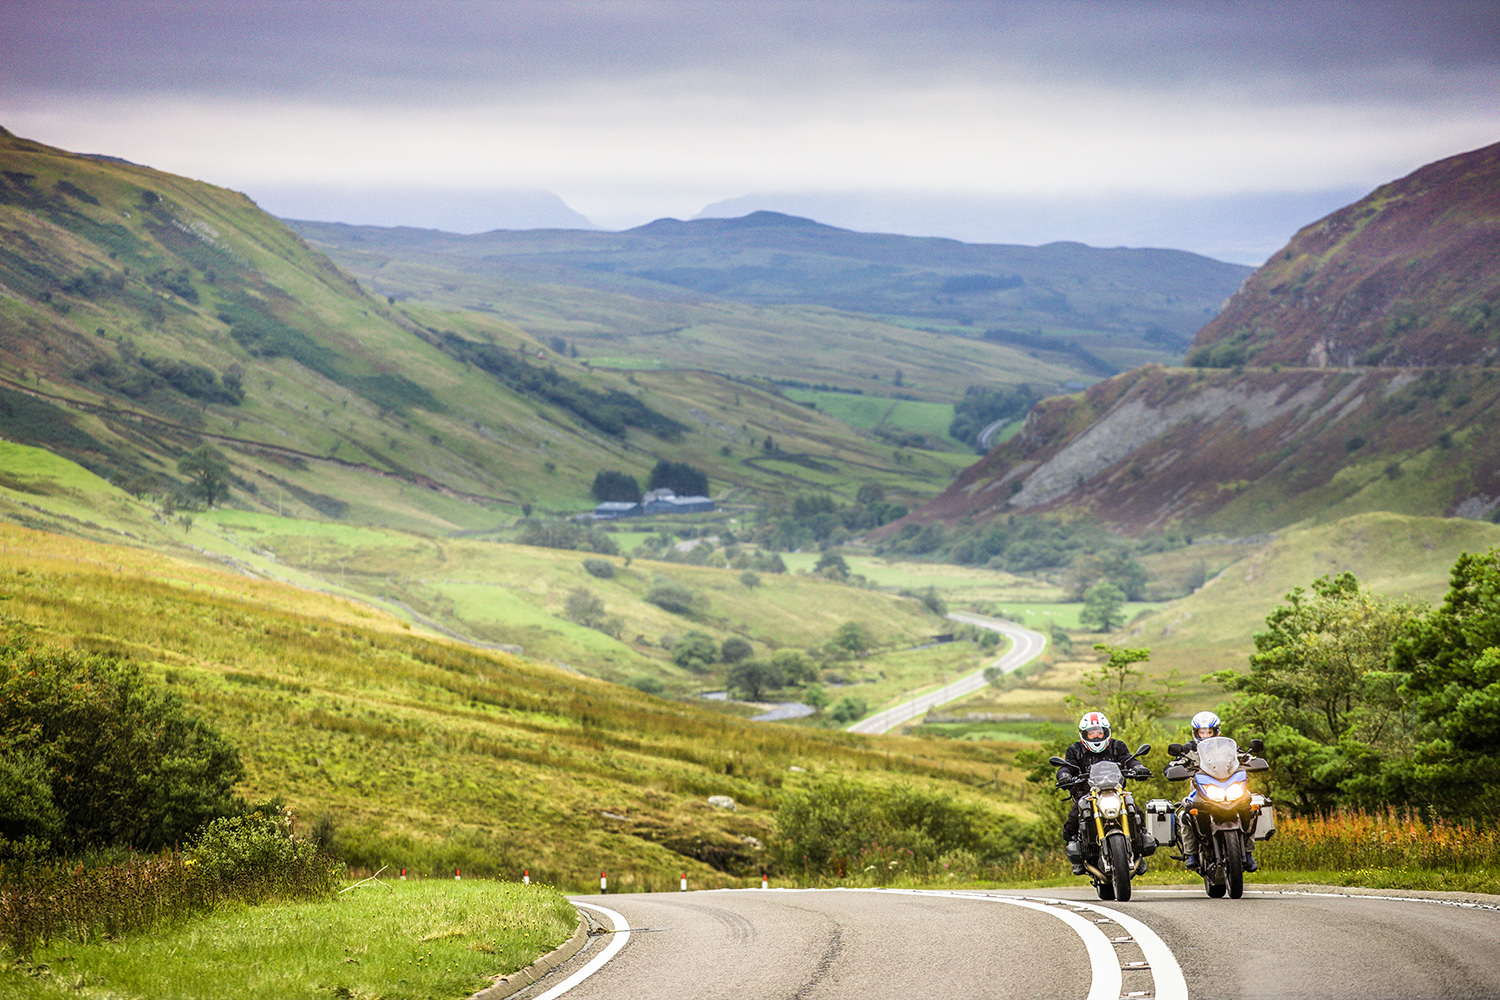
x=1058, y=762
x=1175, y=749
x=1257, y=745
x=1144, y=750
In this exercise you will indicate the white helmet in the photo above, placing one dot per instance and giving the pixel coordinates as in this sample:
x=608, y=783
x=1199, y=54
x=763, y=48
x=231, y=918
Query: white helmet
x=1205, y=720
x=1093, y=729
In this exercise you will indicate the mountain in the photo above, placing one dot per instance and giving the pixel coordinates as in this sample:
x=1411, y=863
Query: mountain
x=1353, y=372
x=1242, y=228
x=144, y=315
x=1097, y=311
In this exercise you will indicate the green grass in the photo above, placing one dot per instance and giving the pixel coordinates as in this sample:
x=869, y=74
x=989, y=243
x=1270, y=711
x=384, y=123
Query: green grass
x=397, y=940
x=877, y=413
x=431, y=755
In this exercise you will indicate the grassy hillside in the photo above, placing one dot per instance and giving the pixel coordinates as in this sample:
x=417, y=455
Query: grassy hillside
x=1094, y=311
x=147, y=314
x=431, y=755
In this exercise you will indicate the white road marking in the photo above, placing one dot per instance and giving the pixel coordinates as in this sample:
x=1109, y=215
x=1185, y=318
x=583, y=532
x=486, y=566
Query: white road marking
x=1166, y=974
x=617, y=941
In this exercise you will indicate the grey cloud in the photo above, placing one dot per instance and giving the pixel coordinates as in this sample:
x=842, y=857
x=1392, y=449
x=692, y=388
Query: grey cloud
x=422, y=52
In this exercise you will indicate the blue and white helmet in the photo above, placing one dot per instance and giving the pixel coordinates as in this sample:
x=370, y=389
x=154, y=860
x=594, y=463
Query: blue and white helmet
x=1202, y=721
x=1093, y=730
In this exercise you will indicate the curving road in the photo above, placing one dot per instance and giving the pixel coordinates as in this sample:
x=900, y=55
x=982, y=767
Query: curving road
x=1170, y=943
x=1025, y=646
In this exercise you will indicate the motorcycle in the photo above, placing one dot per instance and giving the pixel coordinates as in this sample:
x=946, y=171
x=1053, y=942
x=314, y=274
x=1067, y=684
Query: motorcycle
x=1227, y=816
x=1113, y=839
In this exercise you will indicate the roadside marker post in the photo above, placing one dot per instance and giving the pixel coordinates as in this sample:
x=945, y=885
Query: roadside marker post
x=603, y=885
x=526, y=877
x=684, y=881
x=457, y=874
x=403, y=874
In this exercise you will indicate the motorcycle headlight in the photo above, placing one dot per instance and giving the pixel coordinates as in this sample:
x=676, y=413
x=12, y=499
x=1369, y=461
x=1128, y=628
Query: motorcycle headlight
x=1234, y=791
x=1109, y=805
x=1214, y=793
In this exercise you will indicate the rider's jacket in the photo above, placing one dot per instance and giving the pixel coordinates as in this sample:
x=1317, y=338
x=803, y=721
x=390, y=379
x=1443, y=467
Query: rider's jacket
x=1080, y=758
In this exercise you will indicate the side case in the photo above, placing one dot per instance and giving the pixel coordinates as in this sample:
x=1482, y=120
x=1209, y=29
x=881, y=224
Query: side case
x=1265, y=823
x=1160, y=817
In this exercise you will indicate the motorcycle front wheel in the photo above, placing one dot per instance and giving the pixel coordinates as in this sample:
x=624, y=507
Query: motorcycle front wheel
x=1232, y=850
x=1120, y=866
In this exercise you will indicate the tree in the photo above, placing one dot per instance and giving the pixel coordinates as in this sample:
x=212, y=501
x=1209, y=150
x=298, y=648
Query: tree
x=1103, y=607
x=1117, y=688
x=584, y=607
x=815, y=696
x=125, y=763
x=209, y=470
x=753, y=677
x=849, y=709
x=832, y=565
x=1321, y=693
x=735, y=649
x=617, y=486
x=794, y=666
x=679, y=477
x=1450, y=660
x=695, y=651
x=852, y=638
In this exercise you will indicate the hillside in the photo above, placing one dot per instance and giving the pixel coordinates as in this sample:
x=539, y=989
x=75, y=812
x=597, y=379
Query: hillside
x=1292, y=419
x=431, y=755
x=1408, y=276
x=1093, y=311
x=143, y=315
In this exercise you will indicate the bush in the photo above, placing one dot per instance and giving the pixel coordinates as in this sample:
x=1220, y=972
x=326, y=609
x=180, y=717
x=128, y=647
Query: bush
x=672, y=596
x=125, y=764
x=601, y=568
x=647, y=684
x=258, y=854
x=826, y=828
x=849, y=709
x=695, y=651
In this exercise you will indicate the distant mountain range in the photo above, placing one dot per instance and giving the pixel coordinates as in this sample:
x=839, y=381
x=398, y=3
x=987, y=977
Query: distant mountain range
x=1241, y=228
x=1359, y=369
x=1120, y=306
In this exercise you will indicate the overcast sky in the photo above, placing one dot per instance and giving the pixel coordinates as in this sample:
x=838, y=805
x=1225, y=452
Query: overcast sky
x=629, y=111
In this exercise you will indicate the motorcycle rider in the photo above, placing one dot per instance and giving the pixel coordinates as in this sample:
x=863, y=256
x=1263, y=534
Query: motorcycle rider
x=1205, y=725
x=1094, y=745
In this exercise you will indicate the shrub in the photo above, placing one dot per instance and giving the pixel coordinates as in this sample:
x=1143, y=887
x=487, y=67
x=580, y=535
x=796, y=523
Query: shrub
x=647, y=684
x=258, y=854
x=672, y=596
x=127, y=766
x=601, y=568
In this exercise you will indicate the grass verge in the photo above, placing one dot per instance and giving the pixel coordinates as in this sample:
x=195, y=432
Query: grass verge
x=393, y=941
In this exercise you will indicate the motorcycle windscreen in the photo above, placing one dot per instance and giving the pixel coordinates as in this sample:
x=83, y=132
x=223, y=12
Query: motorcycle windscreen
x=1218, y=756
x=1106, y=774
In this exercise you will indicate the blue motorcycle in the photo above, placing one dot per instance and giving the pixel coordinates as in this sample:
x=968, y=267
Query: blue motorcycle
x=1226, y=816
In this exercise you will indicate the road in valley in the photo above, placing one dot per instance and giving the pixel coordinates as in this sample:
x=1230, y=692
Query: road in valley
x=1026, y=645
x=1169, y=943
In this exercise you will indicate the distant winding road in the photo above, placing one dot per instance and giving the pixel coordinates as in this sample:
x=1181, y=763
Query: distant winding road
x=1167, y=943
x=1026, y=646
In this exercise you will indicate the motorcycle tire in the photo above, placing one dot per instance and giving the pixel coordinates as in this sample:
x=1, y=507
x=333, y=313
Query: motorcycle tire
x=1232, y=849
x=1121, y=867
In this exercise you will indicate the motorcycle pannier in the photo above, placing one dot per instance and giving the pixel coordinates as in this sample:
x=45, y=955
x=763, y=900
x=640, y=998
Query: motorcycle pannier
x=1159, y=818
x=1265, y=825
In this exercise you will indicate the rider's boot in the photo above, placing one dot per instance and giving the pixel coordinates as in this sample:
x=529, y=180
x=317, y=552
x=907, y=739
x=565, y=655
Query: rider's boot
x=1190, y=861
x=1250, y=864
x=1074, y=851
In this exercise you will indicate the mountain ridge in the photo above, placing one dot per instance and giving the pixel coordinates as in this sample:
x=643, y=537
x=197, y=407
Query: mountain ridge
x=1276, y=424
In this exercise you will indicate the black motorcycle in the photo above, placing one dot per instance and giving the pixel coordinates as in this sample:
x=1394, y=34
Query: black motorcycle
x=1112, y=835
x=1226, y=815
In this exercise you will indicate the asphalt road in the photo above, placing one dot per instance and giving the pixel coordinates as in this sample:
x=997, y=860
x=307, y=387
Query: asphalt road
x=1167, y=943
x=1026, y=645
